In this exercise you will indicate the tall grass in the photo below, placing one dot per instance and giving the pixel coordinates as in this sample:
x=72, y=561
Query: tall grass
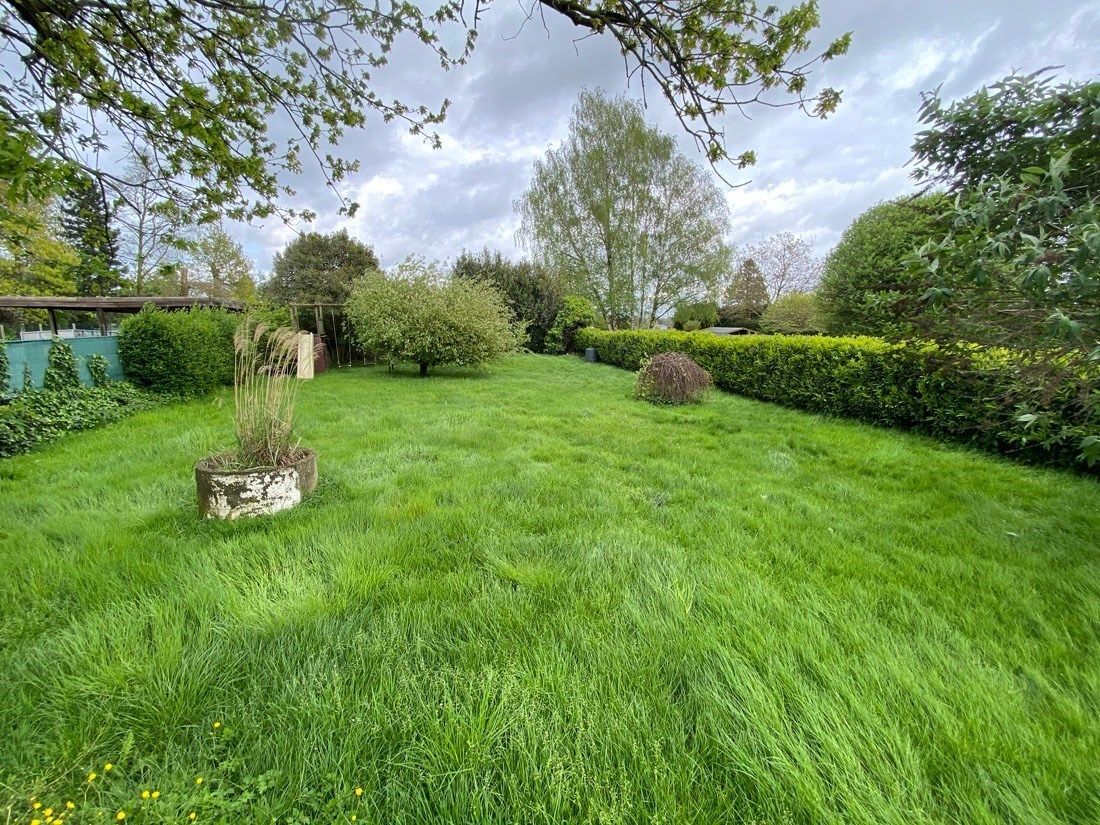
x=265, y=386
x=526, y=597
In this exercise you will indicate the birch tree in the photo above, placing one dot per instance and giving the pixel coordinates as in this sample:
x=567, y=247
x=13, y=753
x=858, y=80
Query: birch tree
x=623, y=217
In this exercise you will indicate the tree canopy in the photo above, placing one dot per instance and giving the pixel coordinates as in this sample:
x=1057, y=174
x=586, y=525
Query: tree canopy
x=532, y=293
x=219, y=267
x=867, y=287
x=319, y=268
x=190, y=86
x=624, y=218
x=695, y=315
x=35, y=260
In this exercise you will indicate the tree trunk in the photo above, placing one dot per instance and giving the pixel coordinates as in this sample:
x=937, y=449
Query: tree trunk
x=423, y=370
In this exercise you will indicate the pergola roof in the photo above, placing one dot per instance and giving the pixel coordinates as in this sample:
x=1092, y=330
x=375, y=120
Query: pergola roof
x=130, y=303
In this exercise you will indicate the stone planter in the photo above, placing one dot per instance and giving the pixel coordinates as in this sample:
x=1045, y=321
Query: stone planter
x=233, y=494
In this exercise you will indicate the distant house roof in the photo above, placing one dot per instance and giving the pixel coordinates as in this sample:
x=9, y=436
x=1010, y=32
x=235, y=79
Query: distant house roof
x=729, y=330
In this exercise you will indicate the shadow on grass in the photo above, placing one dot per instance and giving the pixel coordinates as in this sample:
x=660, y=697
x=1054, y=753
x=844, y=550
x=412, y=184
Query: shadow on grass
x=404, y=371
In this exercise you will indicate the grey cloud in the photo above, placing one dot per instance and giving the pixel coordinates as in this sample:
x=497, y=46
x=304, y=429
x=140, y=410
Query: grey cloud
x=513, y=101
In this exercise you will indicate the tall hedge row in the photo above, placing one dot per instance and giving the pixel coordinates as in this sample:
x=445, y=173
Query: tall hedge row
x=185, y=353
x=909, y=386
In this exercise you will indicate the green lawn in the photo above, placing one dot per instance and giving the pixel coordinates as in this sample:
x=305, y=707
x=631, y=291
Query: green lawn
x=524, y=597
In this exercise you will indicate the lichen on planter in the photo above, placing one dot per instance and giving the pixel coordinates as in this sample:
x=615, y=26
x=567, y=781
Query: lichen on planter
x=228, y=493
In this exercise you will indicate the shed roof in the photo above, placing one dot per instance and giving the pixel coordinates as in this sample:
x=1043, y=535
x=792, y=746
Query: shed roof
x=129, y=303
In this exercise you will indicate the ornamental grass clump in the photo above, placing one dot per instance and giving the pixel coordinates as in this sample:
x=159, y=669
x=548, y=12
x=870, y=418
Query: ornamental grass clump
x=671, y=378
x=264, y=390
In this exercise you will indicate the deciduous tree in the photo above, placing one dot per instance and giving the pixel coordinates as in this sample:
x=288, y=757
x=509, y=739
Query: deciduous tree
x=319, y=268
x=533, y=294
x=787, y=262
x=152, y=236
x=793, y=314
x=35, y=259
x=1020, y=262
x=416, y=315
x=625, y=219
x=219, y=268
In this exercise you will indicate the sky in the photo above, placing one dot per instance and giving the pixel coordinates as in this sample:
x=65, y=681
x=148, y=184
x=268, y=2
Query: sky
x=512, y=102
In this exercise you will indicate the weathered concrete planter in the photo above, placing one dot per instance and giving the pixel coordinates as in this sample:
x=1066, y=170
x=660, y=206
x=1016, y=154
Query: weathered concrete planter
x=232, y=494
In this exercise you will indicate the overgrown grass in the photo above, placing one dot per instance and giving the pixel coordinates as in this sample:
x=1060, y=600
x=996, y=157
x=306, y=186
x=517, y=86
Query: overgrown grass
x=525, y=597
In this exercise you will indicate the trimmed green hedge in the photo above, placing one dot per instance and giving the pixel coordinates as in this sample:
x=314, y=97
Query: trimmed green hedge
x=871, y=380
x=183, y=353
x=38, y=416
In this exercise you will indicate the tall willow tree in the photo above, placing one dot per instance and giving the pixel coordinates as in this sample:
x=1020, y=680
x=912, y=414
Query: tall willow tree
x=192, y=85
x=623, y=217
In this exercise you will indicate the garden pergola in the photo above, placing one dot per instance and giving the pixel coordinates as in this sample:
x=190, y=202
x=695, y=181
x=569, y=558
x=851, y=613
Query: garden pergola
x=101, y=306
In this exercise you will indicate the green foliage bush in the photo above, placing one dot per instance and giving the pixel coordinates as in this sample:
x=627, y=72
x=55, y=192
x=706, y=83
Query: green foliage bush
x=698, y=315
x=61, y=370
x=97, y=368
x=183, y=353
x=900, y=385
x=39, y=416
x=671, y=378
x=794, y=314
x=416, y=316
x=575, y=313
x=867, y=287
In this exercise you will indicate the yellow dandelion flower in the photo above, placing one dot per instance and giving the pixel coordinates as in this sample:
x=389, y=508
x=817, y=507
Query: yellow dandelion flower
x=49, y=820
x=48, y=811
x=70, y=804
x=36, y=822
x=36, y=805
x=354, y=817
x=121, y=815
x=358, y=791
x=191, y=816
x=107, y=767
x=217, y=725
x=156, y=794
x=92, y=776
x=198, y=780
x=144, y=794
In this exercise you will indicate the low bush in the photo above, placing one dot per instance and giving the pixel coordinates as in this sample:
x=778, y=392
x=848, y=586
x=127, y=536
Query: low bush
x=38, y=416
x=976, y=398
x=671, y=378
x=183, y=353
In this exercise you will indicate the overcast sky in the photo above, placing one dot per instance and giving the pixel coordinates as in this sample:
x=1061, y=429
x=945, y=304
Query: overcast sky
x=512, y=102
